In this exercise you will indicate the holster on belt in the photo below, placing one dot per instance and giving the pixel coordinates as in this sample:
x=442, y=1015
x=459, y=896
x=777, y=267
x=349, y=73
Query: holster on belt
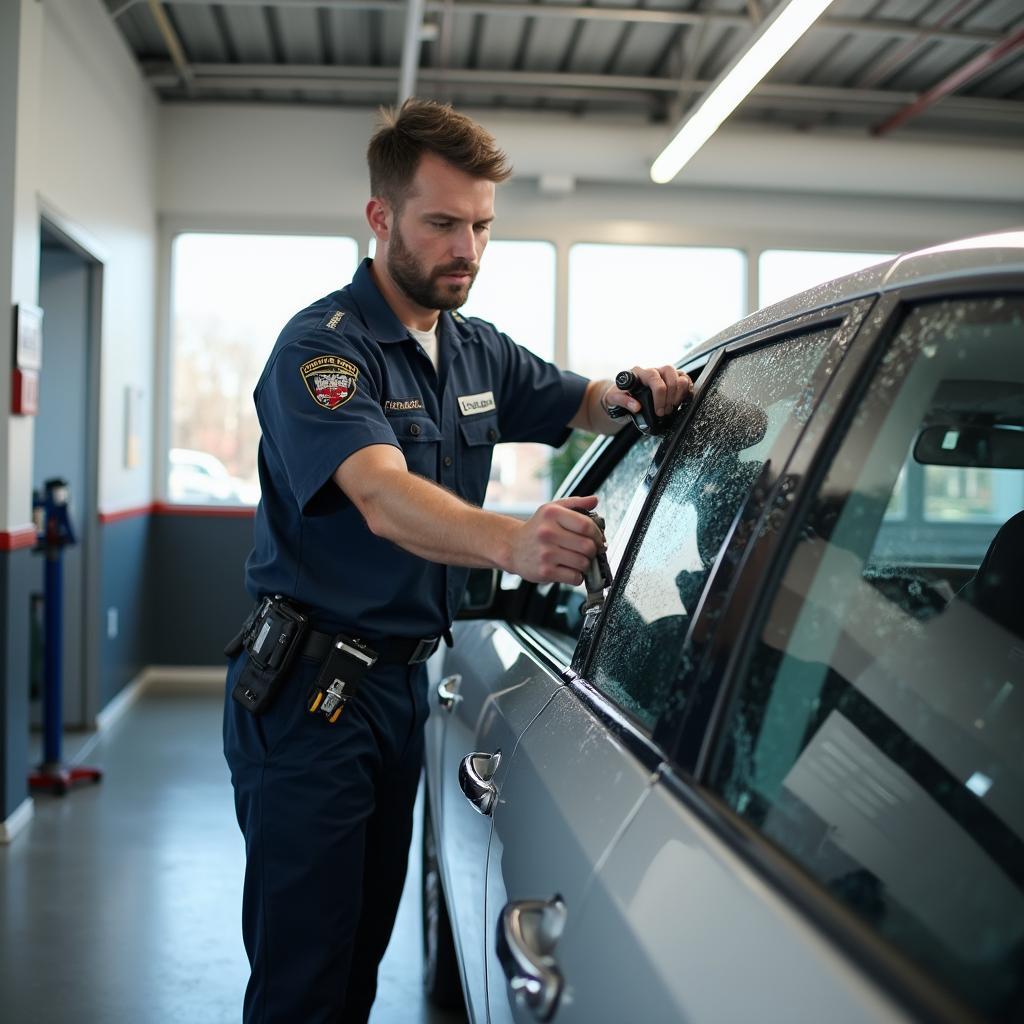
x=272, y=635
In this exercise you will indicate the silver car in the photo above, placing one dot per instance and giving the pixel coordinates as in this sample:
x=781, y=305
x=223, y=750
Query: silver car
x=777, y=774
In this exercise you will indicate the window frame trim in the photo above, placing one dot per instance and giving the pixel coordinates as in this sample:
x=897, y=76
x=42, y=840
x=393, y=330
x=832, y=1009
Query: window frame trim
x=667, y=727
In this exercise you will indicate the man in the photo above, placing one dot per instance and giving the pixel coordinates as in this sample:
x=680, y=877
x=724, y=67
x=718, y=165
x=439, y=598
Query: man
x=380, y=408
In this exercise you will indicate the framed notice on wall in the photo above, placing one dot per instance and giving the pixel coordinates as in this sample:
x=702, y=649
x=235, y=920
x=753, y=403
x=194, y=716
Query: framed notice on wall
x=132, y=426
x=28, y=337
x=28, y=358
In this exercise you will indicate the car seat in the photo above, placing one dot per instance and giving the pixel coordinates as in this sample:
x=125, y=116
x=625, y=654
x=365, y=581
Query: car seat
x=996, y=588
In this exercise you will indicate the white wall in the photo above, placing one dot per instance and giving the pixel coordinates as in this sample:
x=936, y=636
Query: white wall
x=303, y=170
x=86, y=157
x=230, y=165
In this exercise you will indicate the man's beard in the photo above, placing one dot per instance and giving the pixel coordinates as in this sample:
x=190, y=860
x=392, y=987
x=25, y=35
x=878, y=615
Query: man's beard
x=422, y=287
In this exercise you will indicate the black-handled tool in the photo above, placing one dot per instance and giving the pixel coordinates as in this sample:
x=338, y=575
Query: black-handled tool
x=598, y=577
x=646, y=420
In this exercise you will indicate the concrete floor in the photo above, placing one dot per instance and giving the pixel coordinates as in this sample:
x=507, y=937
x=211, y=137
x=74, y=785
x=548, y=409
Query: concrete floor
x=119, y=904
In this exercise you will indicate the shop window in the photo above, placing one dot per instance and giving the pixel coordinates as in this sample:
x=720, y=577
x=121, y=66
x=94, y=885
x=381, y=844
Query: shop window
x=230, y=297
x=785, y=272
x=648, y=304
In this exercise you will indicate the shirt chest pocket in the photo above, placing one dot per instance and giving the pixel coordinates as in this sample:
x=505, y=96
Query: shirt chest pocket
x=420, y=439
x=478, y=435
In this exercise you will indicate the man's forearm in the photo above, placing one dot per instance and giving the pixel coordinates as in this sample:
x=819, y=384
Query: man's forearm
x=556, y=544
x=429, y=521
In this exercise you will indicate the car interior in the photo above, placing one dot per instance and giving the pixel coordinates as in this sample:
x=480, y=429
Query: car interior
x=877, y=732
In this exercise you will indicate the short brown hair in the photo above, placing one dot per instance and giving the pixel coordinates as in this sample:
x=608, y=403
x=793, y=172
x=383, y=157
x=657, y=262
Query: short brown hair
x=424, y=126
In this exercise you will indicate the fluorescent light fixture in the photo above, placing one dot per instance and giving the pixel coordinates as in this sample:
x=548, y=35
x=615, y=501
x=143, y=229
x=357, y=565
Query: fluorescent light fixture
x=771, y=42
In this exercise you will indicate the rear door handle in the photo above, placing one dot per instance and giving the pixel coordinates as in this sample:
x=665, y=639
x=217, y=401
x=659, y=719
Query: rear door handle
x=528, y=931
x=448, y=691
x=475, y=773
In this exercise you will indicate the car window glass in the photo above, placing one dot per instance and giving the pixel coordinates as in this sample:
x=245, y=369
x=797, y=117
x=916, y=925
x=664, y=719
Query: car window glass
x=877, y=734
x=738, y=421
x=556, y=609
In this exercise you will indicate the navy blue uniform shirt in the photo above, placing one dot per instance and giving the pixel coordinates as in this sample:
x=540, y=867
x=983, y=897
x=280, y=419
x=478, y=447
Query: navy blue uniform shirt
x=345, y=374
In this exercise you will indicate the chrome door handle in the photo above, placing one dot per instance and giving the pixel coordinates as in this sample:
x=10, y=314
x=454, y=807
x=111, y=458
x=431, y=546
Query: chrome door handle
x=528, y=931
x=448, y=691
x=475, y=773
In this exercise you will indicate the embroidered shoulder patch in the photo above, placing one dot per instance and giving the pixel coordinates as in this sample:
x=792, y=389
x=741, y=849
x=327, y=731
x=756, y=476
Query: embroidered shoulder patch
x=330, y=380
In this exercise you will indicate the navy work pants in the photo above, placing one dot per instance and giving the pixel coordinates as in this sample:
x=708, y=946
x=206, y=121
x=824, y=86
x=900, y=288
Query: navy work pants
x=326, y=811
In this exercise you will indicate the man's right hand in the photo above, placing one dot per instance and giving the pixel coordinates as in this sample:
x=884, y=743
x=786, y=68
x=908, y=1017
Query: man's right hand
x=557, y=543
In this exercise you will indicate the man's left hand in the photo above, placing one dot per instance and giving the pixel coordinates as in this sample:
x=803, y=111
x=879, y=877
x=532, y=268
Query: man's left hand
x=669, y=388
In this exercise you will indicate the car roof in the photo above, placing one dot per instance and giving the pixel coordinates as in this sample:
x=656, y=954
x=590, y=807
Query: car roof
x=969, y=257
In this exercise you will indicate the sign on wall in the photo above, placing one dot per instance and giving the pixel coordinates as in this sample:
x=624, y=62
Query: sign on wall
x=28, y=359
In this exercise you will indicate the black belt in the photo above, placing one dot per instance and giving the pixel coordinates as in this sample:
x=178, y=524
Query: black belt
x=398, y=650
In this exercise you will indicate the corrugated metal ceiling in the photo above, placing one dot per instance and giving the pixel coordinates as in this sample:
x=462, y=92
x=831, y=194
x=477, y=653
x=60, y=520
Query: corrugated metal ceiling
x=863, y=62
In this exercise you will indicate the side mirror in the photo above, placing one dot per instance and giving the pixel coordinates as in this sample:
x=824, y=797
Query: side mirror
x=479, y=599
x=484, y=599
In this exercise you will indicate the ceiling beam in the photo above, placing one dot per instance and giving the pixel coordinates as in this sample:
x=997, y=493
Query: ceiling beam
x=173, y=44
x=216, y=78
x=497, y=8
x=411, y=49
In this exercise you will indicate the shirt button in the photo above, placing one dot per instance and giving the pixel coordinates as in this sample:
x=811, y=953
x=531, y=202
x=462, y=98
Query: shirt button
x=447, y=460
x=414, y=429
x=492, y=434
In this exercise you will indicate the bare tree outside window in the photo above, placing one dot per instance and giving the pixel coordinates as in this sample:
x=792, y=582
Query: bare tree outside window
x=230, y=297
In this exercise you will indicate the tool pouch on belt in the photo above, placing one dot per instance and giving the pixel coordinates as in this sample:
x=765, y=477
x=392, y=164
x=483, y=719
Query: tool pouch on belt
x=273, y=639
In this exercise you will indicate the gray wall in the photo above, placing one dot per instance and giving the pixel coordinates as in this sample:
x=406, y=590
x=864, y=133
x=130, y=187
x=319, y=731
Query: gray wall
x=195, y=586
x=20, y=573
x=125, y=576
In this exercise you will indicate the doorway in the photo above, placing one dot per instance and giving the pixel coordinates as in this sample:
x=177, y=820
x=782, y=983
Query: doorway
x=66, y=447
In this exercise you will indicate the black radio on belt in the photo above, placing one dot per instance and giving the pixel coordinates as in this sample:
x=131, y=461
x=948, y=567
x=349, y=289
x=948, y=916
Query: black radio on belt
x=272, y=636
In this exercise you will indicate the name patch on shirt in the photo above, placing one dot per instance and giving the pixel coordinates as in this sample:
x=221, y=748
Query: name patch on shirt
x=401, y=404
x=330, y=380
x=473, y=404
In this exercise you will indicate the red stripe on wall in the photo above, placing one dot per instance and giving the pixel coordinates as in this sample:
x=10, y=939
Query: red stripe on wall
x=126, y=513
x=18, y=538
x=164, y=508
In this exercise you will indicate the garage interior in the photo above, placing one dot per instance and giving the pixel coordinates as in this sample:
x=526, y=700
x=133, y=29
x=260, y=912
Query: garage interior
x=133, y=129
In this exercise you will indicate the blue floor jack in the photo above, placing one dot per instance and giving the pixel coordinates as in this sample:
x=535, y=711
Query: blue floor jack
x=54, y=533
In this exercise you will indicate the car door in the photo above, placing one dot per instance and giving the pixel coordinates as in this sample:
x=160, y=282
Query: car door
x=871, y=741
x=487, y=689
x=587, y=764
x=841, y=839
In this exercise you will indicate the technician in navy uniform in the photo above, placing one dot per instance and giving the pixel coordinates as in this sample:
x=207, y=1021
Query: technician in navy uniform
x=380, y=407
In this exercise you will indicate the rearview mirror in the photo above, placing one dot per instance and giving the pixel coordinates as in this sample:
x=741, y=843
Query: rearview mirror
x=989, y=447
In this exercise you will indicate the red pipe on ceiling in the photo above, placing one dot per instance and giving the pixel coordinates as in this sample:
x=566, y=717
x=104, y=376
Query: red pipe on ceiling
x=951, y=83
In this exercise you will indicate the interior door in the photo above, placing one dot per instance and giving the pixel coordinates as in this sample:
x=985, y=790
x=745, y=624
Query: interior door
x=61, y=438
